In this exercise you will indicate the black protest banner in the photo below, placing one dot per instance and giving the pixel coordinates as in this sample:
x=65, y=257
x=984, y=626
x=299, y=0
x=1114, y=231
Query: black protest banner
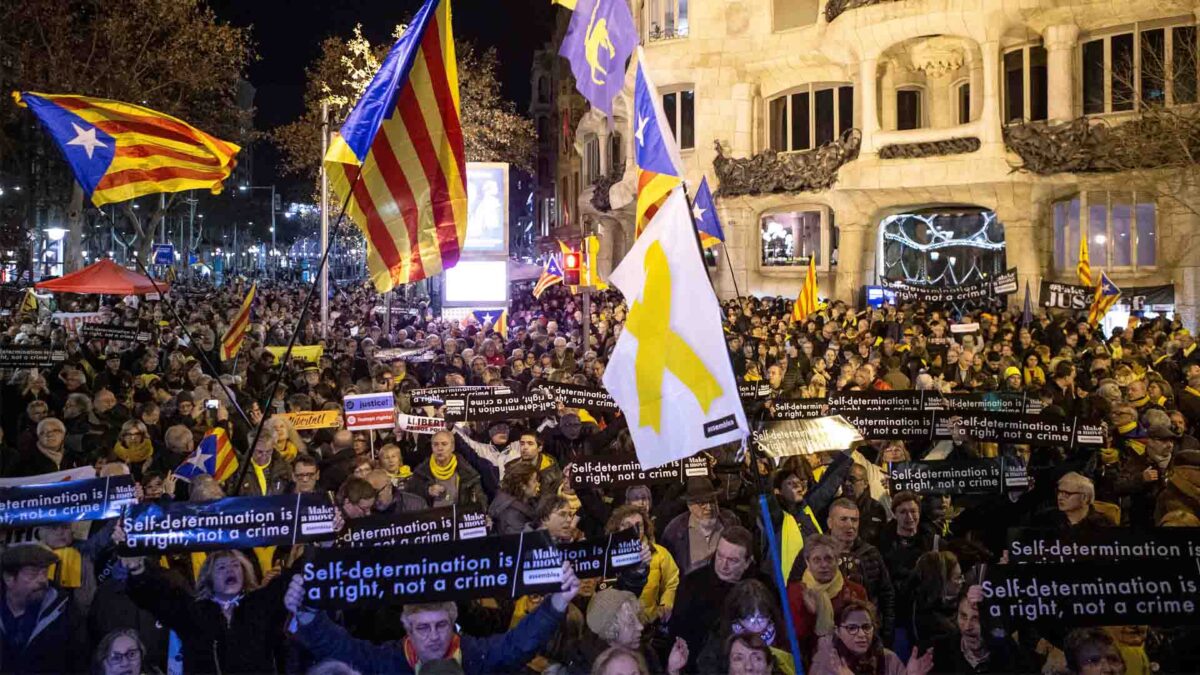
x=424, y=527
x=890, y=425
x=622, y=470
x=995, y=401
x=494, y=406
x=753, y=391
x=1125, y=592
x=66, y=502
x=1071, y=296
x=1104, y=545
x=784, y=438
x=31, y=357
x=798, y=408
x=592, y=399
x=100, y=331
x=233, y=522
x=948, y=477
x=439, y=395
x=1002, y=284
x=506, y=566
x=1000, y=427
x=844, y=402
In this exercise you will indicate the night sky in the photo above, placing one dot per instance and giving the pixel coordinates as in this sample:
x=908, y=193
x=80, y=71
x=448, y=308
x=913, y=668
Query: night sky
x=288, y=34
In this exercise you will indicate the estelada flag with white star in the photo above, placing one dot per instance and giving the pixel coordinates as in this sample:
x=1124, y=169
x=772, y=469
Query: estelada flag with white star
x=214, y=456
x=119, y=151
x=705, y=213
x=659, y=168
x=670, y=371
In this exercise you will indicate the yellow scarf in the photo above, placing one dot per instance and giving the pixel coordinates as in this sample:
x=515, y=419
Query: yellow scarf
x=1192, y=391
x=404, y=471
x=68, y=571
x=1117, y=352
x=1136, y=661
x=1127, y=427
x=546, y=462
x=135, y=455
x=260, y=472
x=827, y=592
x=443, y=472
x=1141, y=402
x=288, y=451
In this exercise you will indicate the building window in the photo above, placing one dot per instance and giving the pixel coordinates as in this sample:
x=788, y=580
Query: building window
x=1149, y=65
x=680, y=109
x=1121, y=228
x=667, y=19
x=962, y=96
x=1025, y=84
x=591, y=159
x=908, y=109
x=810, y=117
x=790, y=238
x=616, y=148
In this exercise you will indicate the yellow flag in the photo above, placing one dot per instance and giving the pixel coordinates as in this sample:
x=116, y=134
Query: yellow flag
x=792, y=542
x=569, y=4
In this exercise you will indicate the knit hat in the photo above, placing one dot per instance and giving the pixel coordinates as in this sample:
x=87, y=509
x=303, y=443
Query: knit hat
x=1011, y=371
x=602, y=610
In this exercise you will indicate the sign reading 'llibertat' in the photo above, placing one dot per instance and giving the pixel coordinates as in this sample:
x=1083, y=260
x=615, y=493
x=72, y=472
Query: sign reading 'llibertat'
x=67, y=502
x=505, y=566
x=314, y=419
x=31, y=357
x=952, y=477
x=434, y=526
x=592, y=399
x=100, y=331
x=623, y=469
x=490, y=406
x=233, y=522
x=420, y=425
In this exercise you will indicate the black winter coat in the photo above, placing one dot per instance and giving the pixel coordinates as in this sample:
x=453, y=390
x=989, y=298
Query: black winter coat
x=57, y=644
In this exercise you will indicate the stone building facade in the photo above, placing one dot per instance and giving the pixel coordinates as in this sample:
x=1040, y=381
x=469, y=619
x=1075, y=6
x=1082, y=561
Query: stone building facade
x=932, y=141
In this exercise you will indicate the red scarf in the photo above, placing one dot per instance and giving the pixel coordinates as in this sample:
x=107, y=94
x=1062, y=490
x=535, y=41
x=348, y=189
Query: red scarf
x=453, y=652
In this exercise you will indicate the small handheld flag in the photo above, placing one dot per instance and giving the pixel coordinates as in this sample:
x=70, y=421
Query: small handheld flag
x=659, y=168
x=29, y=303
x=214, y=457
x=806, y=302
x=705, y=213
x=551, y=274
x=119, y=151
x=1106, y=296
x=232, y=341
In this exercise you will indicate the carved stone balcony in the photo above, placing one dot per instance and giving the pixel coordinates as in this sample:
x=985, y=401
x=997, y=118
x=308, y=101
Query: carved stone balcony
x=771, y=171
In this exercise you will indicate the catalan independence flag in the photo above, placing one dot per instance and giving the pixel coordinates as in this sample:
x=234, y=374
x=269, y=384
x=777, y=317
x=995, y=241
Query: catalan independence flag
x=1083, y=270
x=119, y=151
x=551, y=274
x=806, y=302
x=236, y=335
x=214, y=456
x=1106, y=296
x=659, y=169
x=704, y=213
x=399, y=156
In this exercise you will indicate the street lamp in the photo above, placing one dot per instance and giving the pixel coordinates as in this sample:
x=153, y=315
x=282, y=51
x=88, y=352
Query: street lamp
x=247, y=188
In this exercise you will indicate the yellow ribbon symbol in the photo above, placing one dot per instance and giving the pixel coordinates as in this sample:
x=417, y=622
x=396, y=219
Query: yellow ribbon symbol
x=660, y=348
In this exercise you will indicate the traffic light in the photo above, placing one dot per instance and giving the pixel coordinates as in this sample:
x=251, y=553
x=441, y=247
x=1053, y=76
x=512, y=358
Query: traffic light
x=572, y=264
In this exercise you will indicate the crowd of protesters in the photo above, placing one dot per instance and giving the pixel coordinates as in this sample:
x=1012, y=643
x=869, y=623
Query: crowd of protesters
x=886, y=583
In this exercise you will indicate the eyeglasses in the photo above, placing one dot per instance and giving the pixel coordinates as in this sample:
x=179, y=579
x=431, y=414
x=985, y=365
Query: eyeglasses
x=1068, y=493
x=859, y=629
x=119, y=658
x=132, y=434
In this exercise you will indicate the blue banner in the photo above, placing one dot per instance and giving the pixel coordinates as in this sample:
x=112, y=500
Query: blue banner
x=233, y=522
x=67, y=502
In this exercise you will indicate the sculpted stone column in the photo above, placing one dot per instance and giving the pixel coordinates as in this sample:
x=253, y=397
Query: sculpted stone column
x=1060, y=44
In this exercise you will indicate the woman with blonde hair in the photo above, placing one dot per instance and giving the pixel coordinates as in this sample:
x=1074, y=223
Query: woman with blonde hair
x=229, y=624
x=287, y=442
x=134, y=446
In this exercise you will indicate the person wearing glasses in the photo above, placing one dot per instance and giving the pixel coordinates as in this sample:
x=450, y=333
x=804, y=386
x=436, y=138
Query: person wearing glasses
x=855, y=647
x=1075, y=496
x=134, y=447
x=120, y=653
x=49, y=454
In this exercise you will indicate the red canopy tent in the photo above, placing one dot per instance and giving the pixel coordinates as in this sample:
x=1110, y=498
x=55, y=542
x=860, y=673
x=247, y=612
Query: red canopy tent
x=105, y=277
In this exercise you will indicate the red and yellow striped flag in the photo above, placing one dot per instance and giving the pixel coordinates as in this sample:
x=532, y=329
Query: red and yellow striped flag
x=236, y=335
x=1083, y=270
x=119, y=151
x=806, y=302
x=400, y=153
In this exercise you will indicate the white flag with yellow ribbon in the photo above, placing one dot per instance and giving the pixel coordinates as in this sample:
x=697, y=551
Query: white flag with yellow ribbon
x=670, y=371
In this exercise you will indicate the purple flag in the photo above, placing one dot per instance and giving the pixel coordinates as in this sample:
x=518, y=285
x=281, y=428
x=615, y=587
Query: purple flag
x=599, y=40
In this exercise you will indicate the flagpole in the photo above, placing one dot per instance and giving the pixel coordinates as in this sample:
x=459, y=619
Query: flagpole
x=764, y=510
x=283, y=358
x=732, y=276
x=324, y=272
